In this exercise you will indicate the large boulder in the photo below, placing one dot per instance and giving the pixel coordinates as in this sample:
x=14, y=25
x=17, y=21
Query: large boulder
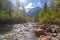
x=58, y=36
x=45, y=38
x=57, y=30
x=54, y=38
x=38, y=32
x=53, y=29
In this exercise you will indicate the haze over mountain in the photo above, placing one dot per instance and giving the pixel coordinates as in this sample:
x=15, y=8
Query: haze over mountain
x=32, y=12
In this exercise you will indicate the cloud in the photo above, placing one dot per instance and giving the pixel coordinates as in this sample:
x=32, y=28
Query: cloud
x=30, y=5
x=21, y=8
x=38, y=3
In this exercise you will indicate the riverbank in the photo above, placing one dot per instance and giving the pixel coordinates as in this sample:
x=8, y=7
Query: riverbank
x=32, y=31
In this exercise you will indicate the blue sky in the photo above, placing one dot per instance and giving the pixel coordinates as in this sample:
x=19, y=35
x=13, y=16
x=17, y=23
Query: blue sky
x=29, y=4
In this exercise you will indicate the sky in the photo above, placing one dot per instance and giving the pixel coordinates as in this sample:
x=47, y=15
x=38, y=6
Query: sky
x=29, y=4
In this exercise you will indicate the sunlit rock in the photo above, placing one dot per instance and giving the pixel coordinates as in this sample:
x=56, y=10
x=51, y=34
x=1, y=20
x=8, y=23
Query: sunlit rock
x=45, y=38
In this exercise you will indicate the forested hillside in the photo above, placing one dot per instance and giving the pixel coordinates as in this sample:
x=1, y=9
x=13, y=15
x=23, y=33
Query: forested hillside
x=10, y=13
x=49, y=13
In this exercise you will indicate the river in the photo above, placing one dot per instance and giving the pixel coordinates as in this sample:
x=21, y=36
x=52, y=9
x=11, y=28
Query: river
x=23, y=31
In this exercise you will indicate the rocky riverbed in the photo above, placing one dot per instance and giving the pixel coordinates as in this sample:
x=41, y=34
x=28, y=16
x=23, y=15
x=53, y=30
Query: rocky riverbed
x=20, y=32
x=32, y=31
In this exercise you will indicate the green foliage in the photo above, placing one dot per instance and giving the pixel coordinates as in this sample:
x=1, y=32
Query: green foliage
x=49, y=14
x=10, y=13
x=4, y=15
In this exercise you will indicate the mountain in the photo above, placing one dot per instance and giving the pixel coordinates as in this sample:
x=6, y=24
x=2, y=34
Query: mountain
x=32, y=12
x=11, y=13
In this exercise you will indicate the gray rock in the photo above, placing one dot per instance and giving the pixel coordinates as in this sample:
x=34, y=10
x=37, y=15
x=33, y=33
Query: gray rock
x=54, y=38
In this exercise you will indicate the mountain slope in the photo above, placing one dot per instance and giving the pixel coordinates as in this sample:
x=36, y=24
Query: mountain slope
x=34, y=11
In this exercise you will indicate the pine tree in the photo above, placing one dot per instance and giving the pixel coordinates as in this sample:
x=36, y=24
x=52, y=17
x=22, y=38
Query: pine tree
x=57, y=5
